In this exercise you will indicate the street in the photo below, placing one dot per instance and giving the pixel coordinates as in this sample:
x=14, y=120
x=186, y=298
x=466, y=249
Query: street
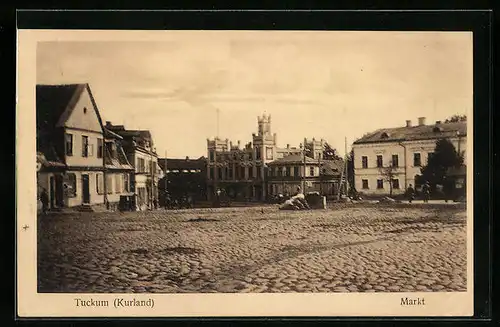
x=352, y=248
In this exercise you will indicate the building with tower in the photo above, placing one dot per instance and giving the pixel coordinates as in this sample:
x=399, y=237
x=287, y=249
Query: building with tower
x=243, y=171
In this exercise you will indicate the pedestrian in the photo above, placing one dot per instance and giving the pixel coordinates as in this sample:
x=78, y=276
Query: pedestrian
x=426, y=190
x=44, y=198
x=410, y=193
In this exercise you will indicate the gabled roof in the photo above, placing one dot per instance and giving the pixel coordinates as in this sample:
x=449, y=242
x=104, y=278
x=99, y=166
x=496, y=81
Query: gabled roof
x=51, y=102
x=293, y=159
x=414, y=133
x=54, y=104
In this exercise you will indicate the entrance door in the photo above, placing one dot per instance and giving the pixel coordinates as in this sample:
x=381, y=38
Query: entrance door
x=52, y=191
x=59, y=191
x=85, y=189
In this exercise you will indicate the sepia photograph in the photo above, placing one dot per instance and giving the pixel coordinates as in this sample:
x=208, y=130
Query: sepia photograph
x=288, y=163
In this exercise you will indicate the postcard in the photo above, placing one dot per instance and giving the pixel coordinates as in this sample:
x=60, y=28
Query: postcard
x=244, y=173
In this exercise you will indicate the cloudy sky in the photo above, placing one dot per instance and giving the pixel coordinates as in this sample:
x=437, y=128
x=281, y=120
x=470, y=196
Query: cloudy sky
x=327, y=85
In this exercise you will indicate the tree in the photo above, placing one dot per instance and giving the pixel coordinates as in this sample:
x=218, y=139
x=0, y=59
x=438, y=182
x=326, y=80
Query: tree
x=456, y=119
x=388, y=174
x=330, y=153
x=445, y=156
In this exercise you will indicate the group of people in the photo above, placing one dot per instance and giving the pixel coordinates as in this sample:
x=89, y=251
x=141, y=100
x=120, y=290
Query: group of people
x=426, y=192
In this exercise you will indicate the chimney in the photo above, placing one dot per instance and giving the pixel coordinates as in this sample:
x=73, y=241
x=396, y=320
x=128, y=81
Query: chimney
x=438, y=122
x=230, y=144
x=288, y=146
x=408, y=123
x=187, y=158
x=239, y=143
x=421, y=121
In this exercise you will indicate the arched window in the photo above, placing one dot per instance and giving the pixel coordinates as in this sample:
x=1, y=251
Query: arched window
x=384, y=135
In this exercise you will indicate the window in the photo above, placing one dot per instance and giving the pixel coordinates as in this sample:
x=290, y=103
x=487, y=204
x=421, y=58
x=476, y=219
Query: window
x=212, y=155
x=250, y=172
x=85, y=146
x=126, y=182
x=141, y=165
x=100, y=148
x=99, y=183
x=395, y=160
x=242, y=172
x=380, y=183
x=379, y=161
x=311, y=171
x=365, y=184
x=84, y=110
x=257, y=153
x=296, y=171
x=364, y=161
x=118, y=183
x=269, y=153
x=287, y=171
x=395, y=183
x=416, y=160
x=109, y=184
x=219, y=171
x=250, y=155
x=70, y=185
x=69, y=144
x=279, y=171
x=212, y=172
x=230, y=173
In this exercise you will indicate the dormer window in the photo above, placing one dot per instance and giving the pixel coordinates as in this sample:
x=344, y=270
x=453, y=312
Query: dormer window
x=437, y=129
x=384, y=135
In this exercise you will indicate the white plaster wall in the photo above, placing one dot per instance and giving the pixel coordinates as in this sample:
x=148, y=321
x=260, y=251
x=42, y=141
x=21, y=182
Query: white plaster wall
x=77, y=159
x=406, y=177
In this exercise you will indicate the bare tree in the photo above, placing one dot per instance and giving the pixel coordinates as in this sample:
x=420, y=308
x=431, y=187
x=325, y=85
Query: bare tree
x=388, y=173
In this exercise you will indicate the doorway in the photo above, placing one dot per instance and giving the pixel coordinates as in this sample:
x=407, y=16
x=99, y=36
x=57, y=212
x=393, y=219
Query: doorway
x=85, y=189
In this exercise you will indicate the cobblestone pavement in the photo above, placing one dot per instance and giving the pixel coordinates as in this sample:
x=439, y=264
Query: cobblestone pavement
x=356, y=249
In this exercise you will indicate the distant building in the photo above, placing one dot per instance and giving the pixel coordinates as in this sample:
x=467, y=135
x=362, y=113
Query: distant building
x=183, y=177
x=242, y=171
x=139, y=149
x=406, y=149
x=287, y=174
x=69, y=131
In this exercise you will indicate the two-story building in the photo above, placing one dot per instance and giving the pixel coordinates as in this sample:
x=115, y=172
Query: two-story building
x=310, y=174
x=405, y=149
x=139, y=149
x=69, y=132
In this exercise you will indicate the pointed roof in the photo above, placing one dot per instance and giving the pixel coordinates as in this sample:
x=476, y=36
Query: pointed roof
x=55, y=103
